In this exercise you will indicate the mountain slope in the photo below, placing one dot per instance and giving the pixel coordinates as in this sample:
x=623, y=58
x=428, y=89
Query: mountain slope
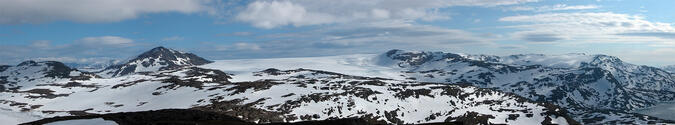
x=584, y=83
x=670, y=68
x=31, y=73
x=283, y=96
x=535, y=76
x=394, y=87
x=94, y=66
x=156, y=59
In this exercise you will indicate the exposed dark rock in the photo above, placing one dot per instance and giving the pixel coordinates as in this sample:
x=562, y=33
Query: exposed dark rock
x=70, y=85
x=471, y=118
x=255, y=85
x=43, y=93
x=28, y=63
x=4, y=67
x=58, y=69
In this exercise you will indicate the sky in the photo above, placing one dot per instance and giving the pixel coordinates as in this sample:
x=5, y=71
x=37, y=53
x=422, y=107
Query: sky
x=85, y=31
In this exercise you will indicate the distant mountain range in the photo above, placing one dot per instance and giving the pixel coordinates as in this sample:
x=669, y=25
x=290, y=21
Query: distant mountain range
x=396, y=87
x=93, y=66
x=590, y=86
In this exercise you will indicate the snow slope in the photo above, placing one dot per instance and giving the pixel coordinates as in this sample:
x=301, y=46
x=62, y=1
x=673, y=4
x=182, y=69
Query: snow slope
x=359, y=65
x=670, y=68
x=390, y=87
x=300, y=89
x=596, y=88
x=597, y=82
x=282, y=96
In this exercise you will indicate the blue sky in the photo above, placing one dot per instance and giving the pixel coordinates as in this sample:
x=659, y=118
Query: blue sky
x=83, y=31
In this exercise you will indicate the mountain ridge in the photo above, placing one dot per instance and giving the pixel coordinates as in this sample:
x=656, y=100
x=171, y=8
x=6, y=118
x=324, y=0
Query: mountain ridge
x=250, y=88
x=156, y=59
x=604, y=82
x=276, y=96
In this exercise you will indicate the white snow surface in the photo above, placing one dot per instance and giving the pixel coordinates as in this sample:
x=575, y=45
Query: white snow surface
x=669, y=68
x=358, y=65
x=148, y=92
x=138, y=98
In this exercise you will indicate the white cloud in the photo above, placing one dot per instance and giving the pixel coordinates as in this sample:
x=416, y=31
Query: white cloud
x=88, y=60
x=589, y=27
x=235, y=34
x=353, y=39
x=38, y=11
x=246, y=46
x=658, y=56
x=557, y=7
x=608, y=22
x=41, y=43
x=401, y=34
x=173, y=38
x=238, y=47
x=275, y=13
x=271, y=14
x=106, y=40
x=79, y=51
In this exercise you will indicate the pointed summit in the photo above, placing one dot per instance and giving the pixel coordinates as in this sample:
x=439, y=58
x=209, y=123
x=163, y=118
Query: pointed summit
x=159, y=49
x=156, y=59
x=170, y=55
x=155, y=52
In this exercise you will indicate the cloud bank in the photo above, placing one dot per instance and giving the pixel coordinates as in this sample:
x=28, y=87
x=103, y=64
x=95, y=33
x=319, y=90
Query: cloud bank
x=91, y=11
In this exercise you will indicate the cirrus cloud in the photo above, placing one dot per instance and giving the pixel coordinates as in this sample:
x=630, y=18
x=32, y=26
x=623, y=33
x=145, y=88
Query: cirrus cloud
x=557, y=7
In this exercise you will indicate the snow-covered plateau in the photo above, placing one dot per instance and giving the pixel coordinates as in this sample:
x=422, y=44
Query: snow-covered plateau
x=396, y=87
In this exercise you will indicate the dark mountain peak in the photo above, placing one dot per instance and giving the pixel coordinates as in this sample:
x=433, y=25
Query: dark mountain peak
x=606, y=57
x=159, y=51
x=58, y=69
x=412, y=58
x=170, y=56
x=51, y=64
x=28, y=63
x=605, y=60
x=159, y=48
x=56, y=64
x=393, y=51
x=158, y=58
x=52, y=69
